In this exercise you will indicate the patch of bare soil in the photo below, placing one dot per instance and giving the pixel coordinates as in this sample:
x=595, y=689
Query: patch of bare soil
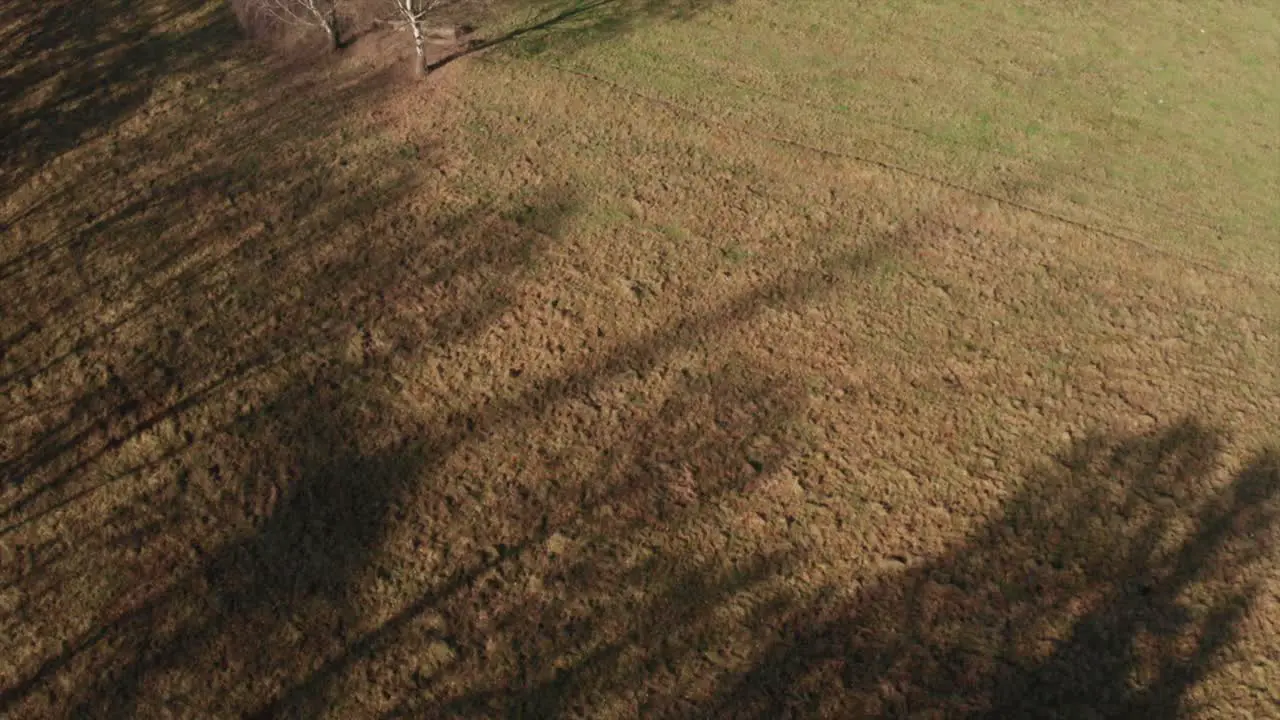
x=332, y=395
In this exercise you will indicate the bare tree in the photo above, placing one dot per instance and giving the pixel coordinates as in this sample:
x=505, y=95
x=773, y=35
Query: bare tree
x=412, y=15
x=319, y=14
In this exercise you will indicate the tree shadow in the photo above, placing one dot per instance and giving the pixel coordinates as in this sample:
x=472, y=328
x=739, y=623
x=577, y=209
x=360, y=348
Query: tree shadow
x=220, y=500
x=588, y=548
x=317, y=484
x=1109, y=587
x=626, y=588
x=161, y=274
x=74, y=71
x=575, y=23
x=279, y=509
x=199, y=422
x=206, y=458
x=331, y=489
x=550, y=587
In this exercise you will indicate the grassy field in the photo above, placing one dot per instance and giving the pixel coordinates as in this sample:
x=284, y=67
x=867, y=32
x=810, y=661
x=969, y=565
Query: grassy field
x=1131, y=118
x=656, y=358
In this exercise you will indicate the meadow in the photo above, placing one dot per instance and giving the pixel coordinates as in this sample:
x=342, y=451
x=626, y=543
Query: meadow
x=646, y=358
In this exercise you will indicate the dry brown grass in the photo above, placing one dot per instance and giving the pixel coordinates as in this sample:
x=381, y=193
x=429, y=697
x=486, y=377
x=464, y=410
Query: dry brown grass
x=515, y=394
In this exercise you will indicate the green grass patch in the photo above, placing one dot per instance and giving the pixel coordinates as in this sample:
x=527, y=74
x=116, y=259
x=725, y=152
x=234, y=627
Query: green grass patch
x=1158, y=115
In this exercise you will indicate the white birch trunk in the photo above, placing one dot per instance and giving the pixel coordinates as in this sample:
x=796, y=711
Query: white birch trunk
x=414, y=14
x=420, y=45
x=331, y=24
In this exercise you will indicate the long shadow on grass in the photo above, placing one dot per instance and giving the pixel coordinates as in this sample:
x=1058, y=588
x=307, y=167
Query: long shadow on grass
x=577, y=585
x=560, y=24
x=207, y=240
x=199, y=423
x=1108, y=588
x=73, y=71
x=551, y=577
x=288, y=601
x=245, y=563
x=215, y=500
